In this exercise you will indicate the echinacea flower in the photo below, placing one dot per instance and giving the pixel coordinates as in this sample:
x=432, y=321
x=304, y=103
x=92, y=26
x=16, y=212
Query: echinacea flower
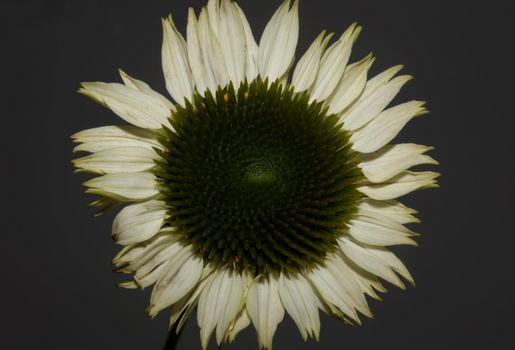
x=257, y=191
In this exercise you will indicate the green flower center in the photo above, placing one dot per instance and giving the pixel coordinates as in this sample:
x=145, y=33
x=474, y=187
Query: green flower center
x=258, y=179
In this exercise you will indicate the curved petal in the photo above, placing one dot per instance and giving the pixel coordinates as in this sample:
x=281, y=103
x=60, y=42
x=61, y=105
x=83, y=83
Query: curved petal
x=308, y=66
x=213, y=55
x=118, y=160
x=265, y=309
x=333, y=64
x=379, y=231
x=369, y=107
x=125, y=187
x=351, y=86
x=145, y=88
x=390, y=160
x=386, y=126
x=376, y=260
x=176, y=69
x=219, y=305
x=252, y=49
x=139, y=222
x=134, y=106
x=180, y=275
x=108, y=137
x=279, y=41
x=242, y=322
x=299, y=300
x=391, y=209
x=404, y=183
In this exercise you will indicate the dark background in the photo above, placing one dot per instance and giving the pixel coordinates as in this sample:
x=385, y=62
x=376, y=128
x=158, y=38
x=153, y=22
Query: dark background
x=57, y=281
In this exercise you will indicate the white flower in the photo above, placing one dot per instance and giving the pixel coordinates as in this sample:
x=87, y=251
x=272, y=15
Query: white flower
x=253, y=194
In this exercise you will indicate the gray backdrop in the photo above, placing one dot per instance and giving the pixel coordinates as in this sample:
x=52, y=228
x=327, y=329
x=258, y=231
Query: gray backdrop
x=57, y=281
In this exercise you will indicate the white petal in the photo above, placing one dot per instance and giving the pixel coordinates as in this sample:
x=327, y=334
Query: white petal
x=180, y=276
x=183, y=308
x=107, y=137
x=333, y=293
x=333, y=64
x=145, y=88
x=252, y=49
x=299, y=300
x=379, y=231
x=376, y=260
x=118, y=160
x=369, y=107
x=265, y=309
x=219, y=305
x=131, y=257
x=134, y=106
x=138, y=222
x=344, y=273
x=242, y=322
x=390, y=160
x=379, y=80
x=402, y=184
x=385, y=126
x=213, y=55
x=279, y=41
x=150, y=266
x=351, y=86
x=176, y=69
x=391, y=209
x=125, y=187
x=232, y=41
x=369, y=283
x=204, y=77
x=307, y=68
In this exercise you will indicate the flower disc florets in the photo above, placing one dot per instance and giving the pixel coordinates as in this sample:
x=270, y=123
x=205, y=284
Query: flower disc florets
x=259, y=179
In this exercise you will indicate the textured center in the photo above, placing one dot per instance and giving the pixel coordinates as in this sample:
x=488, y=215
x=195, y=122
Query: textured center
x=258, y=179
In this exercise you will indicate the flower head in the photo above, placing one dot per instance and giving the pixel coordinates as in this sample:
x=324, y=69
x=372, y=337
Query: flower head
x=252, y=194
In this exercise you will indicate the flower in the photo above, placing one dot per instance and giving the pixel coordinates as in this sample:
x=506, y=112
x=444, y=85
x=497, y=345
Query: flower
x=252, y=193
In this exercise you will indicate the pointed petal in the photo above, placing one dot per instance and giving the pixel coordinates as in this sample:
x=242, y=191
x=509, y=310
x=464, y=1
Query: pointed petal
x=133, y=256
x=333, y=64
x=265, y=309
x=202, y=74
x=279, y=41
x=145, y=88
x=242, y=322
x=219, y=304
x=180, y=276
x=138, y=222
x=299, y=300
x=370, y=107
x=213, y=55
x=183, y=308
x=125, y=187
x=333, y=292
x=390, y=160
x=379, y=231
x=351, y=86
x=176, y=69
x=252, y=48
x=402, y=184
x=308, y=66
x=107, y=137
x=118, y=160
x=376, y=260
x=134, y=106
x=385, y=126
x=391, y=209
x=232, y=41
